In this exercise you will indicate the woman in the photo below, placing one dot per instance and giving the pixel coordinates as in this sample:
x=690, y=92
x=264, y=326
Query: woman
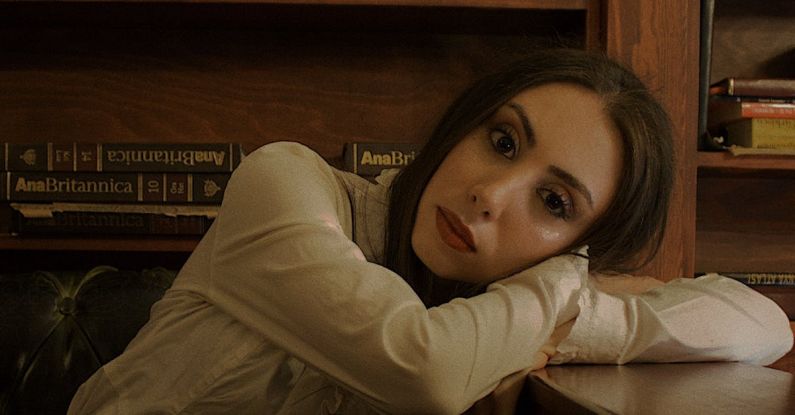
x=284, y=307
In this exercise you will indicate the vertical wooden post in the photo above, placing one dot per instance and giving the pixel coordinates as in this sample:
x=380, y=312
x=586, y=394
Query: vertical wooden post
x=659, y=40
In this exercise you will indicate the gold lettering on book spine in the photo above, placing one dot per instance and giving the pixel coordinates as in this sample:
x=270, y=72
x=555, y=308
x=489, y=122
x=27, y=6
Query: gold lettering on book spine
x=168, y=157
x=393, y=158
x=771, y=279
x=96, y=220
x=71, y=185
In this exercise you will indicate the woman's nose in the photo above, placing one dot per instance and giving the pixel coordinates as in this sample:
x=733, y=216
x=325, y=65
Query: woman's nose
x=490, y=198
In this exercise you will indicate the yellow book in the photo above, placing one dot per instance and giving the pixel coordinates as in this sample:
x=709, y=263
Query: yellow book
x=762, y=133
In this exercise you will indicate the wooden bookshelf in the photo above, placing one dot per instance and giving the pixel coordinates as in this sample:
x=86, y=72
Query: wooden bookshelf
x=744, y=219
x=313, y=71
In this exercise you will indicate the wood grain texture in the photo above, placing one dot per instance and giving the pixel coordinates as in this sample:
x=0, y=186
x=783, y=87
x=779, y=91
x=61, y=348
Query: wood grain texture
x=725, y=161
x=745, y=221
x=670, y=388
x=310, y=78
x=659, y=41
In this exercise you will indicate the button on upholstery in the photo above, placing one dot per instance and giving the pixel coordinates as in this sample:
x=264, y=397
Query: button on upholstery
x=67, y=306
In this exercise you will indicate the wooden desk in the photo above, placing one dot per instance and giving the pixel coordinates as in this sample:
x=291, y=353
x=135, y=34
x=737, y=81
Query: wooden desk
x=672, y=388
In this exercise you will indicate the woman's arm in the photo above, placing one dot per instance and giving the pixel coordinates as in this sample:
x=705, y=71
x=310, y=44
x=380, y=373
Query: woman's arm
x=711, y=318
x=283, y=265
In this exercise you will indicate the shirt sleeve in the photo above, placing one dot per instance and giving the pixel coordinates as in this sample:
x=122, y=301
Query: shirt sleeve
x=710, y=318
x=282, y=265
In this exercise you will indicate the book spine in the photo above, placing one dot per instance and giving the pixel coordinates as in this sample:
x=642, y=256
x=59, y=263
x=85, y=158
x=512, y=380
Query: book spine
x=123, y=157
x=762, y=133
x=110, y=223
x=205, y=188
x=765, y=110
x=370, y=158
x=772, y=279
x=723, y=112
x=754, y=87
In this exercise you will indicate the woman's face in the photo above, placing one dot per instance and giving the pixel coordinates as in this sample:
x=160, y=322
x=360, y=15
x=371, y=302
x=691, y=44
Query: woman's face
x=521, y=187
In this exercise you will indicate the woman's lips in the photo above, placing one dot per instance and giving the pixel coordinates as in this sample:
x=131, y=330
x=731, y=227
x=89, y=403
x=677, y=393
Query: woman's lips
x=453, y=232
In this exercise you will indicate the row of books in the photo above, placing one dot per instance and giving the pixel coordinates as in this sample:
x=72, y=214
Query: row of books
x=66, y=211
x=139, y=188
x=752, y=116
x=115, y=188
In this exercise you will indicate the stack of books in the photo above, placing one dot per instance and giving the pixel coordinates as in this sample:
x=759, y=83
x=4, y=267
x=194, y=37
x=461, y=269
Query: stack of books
x=753, y=116
x=115, y=188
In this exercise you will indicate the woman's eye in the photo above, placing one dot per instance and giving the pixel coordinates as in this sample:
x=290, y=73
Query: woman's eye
x=503, y=142
x=557, y=204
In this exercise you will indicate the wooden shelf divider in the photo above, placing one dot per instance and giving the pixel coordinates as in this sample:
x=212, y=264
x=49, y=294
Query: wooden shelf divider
x=120, y=244
x=726, y=161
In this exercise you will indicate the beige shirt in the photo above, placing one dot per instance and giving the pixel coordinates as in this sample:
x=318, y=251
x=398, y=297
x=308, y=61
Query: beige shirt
x=283, y=308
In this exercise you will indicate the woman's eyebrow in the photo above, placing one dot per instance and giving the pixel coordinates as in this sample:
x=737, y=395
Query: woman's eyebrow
x=528, y=130
x=572, y=181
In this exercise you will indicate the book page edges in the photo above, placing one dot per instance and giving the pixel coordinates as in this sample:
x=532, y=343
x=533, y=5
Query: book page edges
x=45, y=210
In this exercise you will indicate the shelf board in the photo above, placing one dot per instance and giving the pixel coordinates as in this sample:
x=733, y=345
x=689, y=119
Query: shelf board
x=140, y=244
x=721, y=160
x=481, y=4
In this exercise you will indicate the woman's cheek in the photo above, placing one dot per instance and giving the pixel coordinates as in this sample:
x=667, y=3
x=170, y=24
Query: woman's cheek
x=550, y=235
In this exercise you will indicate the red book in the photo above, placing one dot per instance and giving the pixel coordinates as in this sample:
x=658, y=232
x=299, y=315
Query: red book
x=722, y=110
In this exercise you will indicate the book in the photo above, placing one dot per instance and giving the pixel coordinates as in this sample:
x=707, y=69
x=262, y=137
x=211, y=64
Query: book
x=121, y=157
x=761, y=133
x=109, y=223
x=370, y=158
x=113, y=187
x=768, y=278
x=723, y=110
x=754, y=87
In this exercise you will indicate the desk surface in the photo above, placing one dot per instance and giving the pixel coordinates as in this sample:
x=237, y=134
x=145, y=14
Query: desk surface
x=670, y=388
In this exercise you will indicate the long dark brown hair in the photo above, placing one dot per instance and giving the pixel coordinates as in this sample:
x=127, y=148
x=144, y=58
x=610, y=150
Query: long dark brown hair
x=625, y=237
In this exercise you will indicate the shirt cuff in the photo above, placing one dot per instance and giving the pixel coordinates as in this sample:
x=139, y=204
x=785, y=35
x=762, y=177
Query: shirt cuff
x=600, y=332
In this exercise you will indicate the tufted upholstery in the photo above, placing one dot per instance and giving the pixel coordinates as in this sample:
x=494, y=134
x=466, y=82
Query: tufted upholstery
x=57, y=328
